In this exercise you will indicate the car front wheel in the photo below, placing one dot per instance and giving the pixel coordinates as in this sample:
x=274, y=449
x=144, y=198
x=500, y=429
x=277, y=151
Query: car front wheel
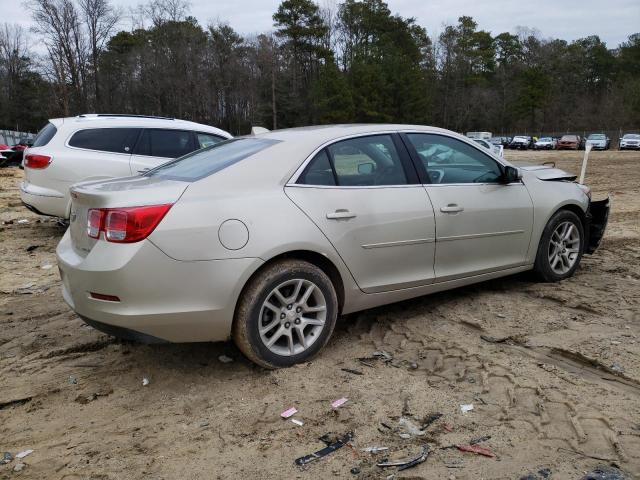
x=561, y=246
x=286, y=314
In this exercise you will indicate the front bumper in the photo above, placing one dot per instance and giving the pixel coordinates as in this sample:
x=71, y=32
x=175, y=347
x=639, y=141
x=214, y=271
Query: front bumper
x=630, y=146
x=597, y=219
x=161, y=299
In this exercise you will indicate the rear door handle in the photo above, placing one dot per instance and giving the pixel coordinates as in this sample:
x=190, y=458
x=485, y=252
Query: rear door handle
x=452, y=208
x=340, y=214
x=144, y=170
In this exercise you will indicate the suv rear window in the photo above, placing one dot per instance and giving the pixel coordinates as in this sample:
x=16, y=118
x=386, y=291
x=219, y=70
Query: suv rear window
x=45, y=135
x=116, y=140
x=208, y=161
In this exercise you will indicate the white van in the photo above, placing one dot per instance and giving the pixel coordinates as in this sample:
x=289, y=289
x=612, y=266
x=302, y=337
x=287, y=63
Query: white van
x=102, y=146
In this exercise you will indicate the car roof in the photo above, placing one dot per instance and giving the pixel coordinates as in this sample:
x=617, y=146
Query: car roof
x=120, y=120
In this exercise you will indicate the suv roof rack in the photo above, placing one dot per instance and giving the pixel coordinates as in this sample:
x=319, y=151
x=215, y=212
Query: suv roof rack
x=124, y=115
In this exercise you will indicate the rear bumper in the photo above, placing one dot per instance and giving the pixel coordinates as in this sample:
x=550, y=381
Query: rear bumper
x=44, y=201
x=161, y=299
x=597, y=218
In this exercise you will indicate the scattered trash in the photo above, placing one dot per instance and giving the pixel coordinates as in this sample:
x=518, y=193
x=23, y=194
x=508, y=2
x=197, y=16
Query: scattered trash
x=413, y=366
x=603, y=472
x=203, y=424
x=410, y=427
x=145, y=381
x=387, y=357
x=409, y=462
x=355, y=470
x=297, y=422
x=31, y=248
x=339, y=402
x=19, y=467
x=374, y=450
x=490, y=339
x=24, y=453
x=541, y=475
x=6, y=458
x=429, y=419
x=447, y=427
x=477, y=450
x=500, y=315
x=354, y=372
x=466, y=408
x=72, y=380
x=23, y=221
x=289, y=412
x=616, y=367
x=405, y=436
x=225, y=359
x=48, y=266
x=478, y=440
x=341, y=442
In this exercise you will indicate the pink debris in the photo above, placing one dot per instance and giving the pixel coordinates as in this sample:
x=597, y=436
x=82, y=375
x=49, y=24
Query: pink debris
x=289, y=412
x=339, y=402
x=477, y=450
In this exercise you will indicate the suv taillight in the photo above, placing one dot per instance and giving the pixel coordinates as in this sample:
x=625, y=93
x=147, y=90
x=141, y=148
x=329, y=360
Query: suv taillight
x=125, y=225
x=33, y=160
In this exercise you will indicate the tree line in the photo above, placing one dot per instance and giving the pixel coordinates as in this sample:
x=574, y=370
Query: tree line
x=354, y=62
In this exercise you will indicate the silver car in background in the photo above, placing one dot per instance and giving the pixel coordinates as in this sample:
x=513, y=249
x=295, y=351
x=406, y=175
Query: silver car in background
x=266, y=239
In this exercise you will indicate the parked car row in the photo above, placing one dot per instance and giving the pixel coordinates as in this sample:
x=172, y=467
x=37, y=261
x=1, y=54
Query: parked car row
x=13, y=155
x=598, y=141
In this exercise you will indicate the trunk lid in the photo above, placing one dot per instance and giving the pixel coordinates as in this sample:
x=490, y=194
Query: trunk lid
x=123, y=192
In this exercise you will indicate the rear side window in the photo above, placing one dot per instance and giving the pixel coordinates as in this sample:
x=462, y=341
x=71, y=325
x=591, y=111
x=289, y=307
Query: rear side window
x=165, y=143
x=45, y=135
x=207, y=139
x=208, y=161
x=116, y=140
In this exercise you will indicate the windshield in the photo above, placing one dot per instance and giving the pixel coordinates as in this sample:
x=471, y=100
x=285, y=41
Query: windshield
x=569, y=138
x=521, y=138
x=545, y=139
x=210, y=160
x=633, y=136
x=596, y=136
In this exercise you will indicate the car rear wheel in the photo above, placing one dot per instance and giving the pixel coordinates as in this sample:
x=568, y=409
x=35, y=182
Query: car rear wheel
x=286, y=314
x=561, y=246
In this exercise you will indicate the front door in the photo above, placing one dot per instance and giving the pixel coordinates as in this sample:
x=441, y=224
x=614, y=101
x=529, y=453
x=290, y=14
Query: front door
x=482, y=224
x=364, y=196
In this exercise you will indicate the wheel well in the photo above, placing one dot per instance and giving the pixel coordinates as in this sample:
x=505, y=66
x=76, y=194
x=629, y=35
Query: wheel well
x=575, y=209
x=317, y=259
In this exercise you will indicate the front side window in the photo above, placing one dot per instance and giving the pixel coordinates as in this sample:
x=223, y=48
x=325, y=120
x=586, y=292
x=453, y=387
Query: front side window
x=116, y=140
x=448, y=160
x=362, y=161
x=208, y=161
x=207, y=139
x=45, y=135
x=165, y=143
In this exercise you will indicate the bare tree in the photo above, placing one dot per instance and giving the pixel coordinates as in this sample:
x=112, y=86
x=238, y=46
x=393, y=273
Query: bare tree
x=100, y=19
x=160, y=11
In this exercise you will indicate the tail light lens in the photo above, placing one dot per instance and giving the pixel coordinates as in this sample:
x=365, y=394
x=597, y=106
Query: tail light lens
x=125, y=225
x=36, y=161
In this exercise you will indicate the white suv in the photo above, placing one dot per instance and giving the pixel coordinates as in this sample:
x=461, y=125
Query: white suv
x=94, y=147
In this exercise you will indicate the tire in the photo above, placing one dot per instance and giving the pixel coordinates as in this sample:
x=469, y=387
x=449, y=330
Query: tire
x=544, y=267
x=290, y=278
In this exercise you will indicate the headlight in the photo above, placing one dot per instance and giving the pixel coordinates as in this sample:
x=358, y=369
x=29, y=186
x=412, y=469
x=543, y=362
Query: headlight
x=585, y=189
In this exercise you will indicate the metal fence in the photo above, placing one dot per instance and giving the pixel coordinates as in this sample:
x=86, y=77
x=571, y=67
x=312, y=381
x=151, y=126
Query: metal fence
x=9, y=137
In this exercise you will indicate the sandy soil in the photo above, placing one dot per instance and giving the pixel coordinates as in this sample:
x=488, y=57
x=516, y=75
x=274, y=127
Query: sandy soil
x=553, y=372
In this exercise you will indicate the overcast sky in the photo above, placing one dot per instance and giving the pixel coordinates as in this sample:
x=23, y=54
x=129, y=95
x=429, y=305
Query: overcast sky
x=613, y=20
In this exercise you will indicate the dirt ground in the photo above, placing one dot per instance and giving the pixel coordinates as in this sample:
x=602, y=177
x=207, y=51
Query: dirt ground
x=552, y=371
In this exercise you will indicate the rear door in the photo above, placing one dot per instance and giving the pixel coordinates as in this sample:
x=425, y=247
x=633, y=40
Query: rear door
x=364, y=195
x=482, y=224
x=157, y=146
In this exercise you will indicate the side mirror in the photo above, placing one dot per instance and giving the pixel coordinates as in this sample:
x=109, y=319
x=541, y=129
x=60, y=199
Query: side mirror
x=366, y=168
x=511, y=174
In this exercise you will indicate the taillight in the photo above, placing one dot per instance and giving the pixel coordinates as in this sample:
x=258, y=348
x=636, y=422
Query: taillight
x=33, y=160
x=125, y=225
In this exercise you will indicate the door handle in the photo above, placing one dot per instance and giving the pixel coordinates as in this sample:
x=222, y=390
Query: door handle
x=452, y=208
x=340, y=213
x=144, y=170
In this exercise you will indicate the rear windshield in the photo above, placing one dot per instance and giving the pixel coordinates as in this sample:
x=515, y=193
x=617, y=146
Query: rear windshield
x=208, y=161
x=45, y=135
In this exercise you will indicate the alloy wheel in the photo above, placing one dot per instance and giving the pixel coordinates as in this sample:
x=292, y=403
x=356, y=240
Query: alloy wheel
x=564, y=247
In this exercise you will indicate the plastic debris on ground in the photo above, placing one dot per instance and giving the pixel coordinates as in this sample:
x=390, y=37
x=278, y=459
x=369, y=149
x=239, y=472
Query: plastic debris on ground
x=341, y=442
x=410, y=427
x=145, y=381
x=23, y=221
x=24, y=453
x=466, y=408
x=18, y=467
x=72, y=380
x=337, y=403
x=408, y=462
x=542, y=474
x=48, y=266
x=289, y=412
x=477, y=450
x=6, y=458
x=225, y=359
x=603, y=472
x=374, y=450
x=297, y=422
x=352, y=371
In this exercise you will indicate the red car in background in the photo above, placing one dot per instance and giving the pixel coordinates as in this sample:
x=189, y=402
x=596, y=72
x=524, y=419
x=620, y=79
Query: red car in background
x=569, y=142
